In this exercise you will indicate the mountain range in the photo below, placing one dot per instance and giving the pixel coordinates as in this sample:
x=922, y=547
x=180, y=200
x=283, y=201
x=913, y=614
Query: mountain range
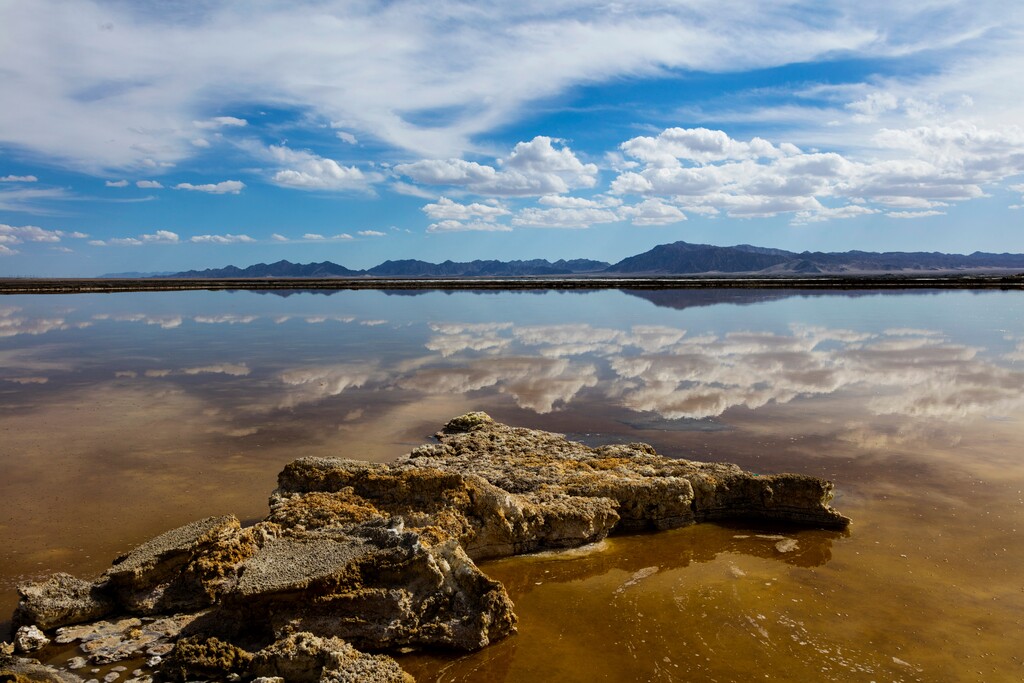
x=678, y=258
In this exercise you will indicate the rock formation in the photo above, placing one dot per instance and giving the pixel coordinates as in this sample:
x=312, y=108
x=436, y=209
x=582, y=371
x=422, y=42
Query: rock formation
x=381, y=556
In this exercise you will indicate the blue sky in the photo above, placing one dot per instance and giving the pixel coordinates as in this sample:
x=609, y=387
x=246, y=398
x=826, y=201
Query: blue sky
x=162, y=136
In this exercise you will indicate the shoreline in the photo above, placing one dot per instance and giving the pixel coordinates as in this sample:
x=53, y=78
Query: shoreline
x=11, y=286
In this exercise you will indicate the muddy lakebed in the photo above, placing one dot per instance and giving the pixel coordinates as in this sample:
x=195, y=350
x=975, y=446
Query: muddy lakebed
x=126, y=415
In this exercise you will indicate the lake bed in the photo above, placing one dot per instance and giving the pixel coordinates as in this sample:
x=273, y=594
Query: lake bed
x=124, y=415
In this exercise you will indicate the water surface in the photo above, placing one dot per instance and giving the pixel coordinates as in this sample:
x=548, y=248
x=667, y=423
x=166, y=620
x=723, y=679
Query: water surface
x=124, y=415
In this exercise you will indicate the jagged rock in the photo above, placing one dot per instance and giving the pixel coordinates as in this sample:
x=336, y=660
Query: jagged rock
x=182, y=569
x=61, y=599
x=29, y=639
x=304, y=657
x=373, y=584
x=298, y=658
x=506, y=490
x=380, y=556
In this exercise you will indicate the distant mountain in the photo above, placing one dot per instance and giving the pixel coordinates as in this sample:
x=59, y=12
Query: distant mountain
x=414, y=268
x=279, y=269
x=135, y=274
x=403, y=268
x=678, y=258
x=683, y=258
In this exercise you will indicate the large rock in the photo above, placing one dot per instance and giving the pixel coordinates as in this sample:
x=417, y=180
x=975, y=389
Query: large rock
x=507, y=490
x=380, y=556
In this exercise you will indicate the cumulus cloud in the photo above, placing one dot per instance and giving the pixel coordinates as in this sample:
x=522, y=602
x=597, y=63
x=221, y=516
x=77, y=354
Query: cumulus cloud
x=223, y=187
x=927, y=167
x=564, y=218
x=18, y=179
x=446, y=209
x=220, y=122
x=157, y=237
x=12, y=234
x=915, y=214
x=221, y=239
x=149, y=184
x=116, y=183
x=532, y=168
x=304, y=170
x=471, y=226
x=371, y=233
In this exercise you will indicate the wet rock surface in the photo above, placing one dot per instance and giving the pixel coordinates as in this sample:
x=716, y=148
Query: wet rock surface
x=381, y=556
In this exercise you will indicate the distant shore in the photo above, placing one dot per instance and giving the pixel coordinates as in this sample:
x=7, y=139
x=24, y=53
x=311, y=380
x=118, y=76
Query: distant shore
x=865, y=281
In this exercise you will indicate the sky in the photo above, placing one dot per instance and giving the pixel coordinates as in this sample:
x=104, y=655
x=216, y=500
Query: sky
x=165, y=135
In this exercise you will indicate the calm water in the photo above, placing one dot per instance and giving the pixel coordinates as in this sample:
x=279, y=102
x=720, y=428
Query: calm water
x=124, y=415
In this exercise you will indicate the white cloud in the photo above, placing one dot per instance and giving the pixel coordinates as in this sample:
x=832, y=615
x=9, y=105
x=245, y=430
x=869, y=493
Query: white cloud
x=149, y=184
x=652, y=212
x=472, y=226
x=157, y=237
x=11, y=234
x=120, y=98
x=18, y=179
x=699, y=145
x=278, y=237
x=220, y=122
x=371, y=233
x=347, y=137
x=920, y=169
x=306, y=171
x=224, y=187
x=116, y=183
x=313, y=236
x=914, y=214
x=536, y=167
x=161, y=236
x=446, y=209
x=564, y=218
x=221, y=239
x=343, y=236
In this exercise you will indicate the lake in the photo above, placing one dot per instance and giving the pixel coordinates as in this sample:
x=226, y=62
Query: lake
x=123, y=415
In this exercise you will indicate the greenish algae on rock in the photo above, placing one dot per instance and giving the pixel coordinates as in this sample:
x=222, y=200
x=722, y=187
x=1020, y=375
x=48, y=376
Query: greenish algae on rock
x=381, y=556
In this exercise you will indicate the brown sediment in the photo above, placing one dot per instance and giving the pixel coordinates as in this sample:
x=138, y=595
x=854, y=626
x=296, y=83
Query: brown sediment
x=381, y=556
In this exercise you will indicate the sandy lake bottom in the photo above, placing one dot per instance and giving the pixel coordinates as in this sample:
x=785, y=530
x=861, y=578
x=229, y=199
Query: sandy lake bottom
x=124, y=415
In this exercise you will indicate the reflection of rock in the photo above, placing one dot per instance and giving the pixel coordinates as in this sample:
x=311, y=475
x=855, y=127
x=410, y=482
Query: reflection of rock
x=358, y=554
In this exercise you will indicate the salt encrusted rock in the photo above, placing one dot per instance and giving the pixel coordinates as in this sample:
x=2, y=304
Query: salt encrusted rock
x=357, y=554
x=59, y=600
x=297, y=658
x=29, y=639
x=506, y=490
x=182, y=569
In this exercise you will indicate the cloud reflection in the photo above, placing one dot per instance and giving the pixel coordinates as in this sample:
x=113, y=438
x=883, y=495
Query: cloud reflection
x=659, y=369
x=13, y=323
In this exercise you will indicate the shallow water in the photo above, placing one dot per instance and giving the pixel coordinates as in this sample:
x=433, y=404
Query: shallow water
x=124, y=415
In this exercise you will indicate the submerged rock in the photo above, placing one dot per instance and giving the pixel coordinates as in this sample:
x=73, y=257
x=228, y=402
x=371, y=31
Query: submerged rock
x=380, y=556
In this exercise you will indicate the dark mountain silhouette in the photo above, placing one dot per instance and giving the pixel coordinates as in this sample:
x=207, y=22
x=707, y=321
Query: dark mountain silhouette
x=678, y=258
x=683, y=258
x=279, y=269
x=403, y=268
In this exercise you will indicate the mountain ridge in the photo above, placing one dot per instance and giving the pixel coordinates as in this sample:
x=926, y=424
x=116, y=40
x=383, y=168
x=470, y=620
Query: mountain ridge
x=676, y=258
